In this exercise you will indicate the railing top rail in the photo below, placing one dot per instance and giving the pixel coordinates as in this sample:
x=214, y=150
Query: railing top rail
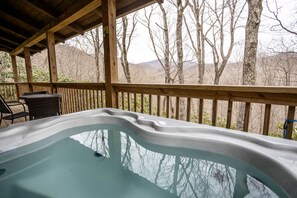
x=89, y=86
x=266, y=95
x=228, y=88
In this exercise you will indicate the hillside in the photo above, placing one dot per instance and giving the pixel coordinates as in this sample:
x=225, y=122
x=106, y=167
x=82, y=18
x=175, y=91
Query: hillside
x=76, y=64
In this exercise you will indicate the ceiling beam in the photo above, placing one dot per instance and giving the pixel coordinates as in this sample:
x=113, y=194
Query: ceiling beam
x=53, y=13
x=6, y=25
x=69, y=16
x=9, y=40
x=17, y=21
x=5, y=46
x=77, y=28
x=13, y=33
x=98, y=11
x=123, y=6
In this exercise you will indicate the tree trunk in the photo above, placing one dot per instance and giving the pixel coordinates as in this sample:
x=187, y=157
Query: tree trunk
x=166, y=42
x=180, y=55
x=250, y=51
x=124, y=54
x=179, y=42
x=97, y=54
x=251, y=42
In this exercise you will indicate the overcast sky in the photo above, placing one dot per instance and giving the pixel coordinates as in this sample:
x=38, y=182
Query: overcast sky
x=140, y=50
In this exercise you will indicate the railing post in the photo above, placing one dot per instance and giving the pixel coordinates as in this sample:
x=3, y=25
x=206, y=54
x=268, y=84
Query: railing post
x=52, y=63
x=291, y=115
x=110, y=50
x=28, y=67
x=15, y=75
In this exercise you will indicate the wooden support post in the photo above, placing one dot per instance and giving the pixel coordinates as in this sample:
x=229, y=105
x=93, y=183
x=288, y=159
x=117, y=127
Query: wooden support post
x=52, y=63
x=110, y=49
x=15, y=75
x=28, y=67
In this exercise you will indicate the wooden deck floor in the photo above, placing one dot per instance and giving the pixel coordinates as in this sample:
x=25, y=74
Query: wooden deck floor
x=6, y=123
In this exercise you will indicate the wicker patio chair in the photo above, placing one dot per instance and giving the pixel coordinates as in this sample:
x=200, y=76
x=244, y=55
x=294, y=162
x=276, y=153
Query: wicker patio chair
x=5, y=109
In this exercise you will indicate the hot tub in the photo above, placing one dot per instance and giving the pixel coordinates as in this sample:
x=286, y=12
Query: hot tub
x=115, y=153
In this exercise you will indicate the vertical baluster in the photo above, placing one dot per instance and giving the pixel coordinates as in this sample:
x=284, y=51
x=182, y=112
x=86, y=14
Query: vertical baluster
x=135, y=102
x=167, y=106
x=88, y=99
x=129, y=104
x=150, y=104
x=246, y=116
x=117, y=100
x=94, y=99
x=291, y=115
x=142, y=103
x=73, y=100
x=76, y=100
x=200, y=119
x=70, y=101
x=214, y=112
x=102, y=102
x=189, y=109
x=65, y=100
x=177, y=109
x=97, y=98
x=123, y=100
x=158, y=105
x=266, y=119
x=229, y=114
x=83, y=99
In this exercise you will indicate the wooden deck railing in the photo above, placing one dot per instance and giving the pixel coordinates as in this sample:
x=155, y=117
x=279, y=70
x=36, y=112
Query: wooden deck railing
x=185, y=102
x=177, y=101
x=75, y=96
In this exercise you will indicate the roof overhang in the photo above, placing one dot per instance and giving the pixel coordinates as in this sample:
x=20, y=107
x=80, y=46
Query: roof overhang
x=24, y=23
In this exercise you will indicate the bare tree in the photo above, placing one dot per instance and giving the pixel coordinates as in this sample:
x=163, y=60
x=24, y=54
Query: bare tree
x=124, y=38
x=223, y=18
x=279, y=25
x=251, y=42
x=250, y=51
x=180, y=8
x=91, y=43
x=160, y=42
x=198, y=42
x=97, y=46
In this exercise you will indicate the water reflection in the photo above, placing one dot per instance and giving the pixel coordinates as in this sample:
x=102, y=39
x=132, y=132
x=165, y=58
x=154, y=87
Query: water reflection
x=181, y=175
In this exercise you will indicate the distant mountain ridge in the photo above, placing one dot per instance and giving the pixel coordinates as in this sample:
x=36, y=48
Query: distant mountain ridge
x=80, y=66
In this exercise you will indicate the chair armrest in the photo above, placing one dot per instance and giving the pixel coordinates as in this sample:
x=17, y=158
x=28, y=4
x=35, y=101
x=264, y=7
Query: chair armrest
x=15, y=103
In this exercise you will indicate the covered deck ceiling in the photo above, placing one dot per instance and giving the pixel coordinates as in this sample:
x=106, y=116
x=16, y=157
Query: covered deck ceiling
x=24, y=23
